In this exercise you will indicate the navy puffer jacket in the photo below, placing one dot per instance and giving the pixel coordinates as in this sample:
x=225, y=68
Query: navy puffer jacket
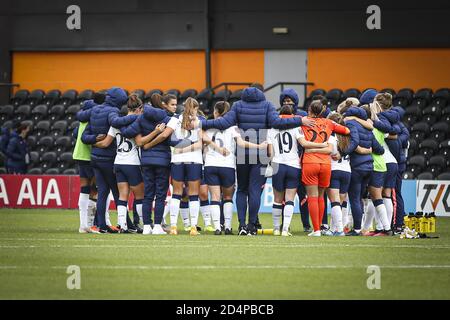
x=360, y=136
x=4, y=139
x=398, y=146
x=16, y=152
x=160, y=154
x=291, y=93
x=102, y=117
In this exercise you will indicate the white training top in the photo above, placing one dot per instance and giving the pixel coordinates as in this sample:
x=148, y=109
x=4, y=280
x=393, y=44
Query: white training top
x=193, y=135
x=225, y=139
x=342, y=164
x=284, y=144
x=387, y=155
x=127, y=150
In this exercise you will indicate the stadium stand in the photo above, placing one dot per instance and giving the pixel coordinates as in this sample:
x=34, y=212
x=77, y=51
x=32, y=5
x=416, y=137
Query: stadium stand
x=52, y=116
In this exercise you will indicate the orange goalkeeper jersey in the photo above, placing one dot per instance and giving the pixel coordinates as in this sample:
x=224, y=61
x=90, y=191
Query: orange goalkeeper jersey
x=319, y=133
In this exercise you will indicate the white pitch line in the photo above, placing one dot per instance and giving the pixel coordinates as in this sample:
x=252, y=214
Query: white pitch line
x=225, y=246
x=250, y=267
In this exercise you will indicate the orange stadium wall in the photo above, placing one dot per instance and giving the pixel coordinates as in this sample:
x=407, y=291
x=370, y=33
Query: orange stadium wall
x=132, y=70
x=379, y=68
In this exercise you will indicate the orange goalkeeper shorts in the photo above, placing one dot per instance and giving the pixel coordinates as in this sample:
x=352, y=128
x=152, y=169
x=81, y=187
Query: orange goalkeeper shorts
x=316, y=174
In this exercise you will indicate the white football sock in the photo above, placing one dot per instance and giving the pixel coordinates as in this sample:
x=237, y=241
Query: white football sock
x=83, y=205
x=344, y=216
x=382, y=215
x=92, y=209
x=166, y=212
x=122, y=217
x=194, y=209
x=215, y=214
x=108, y=202
x=369, y=215
x=287, y=213
x=228, y=214
x=174, y=208
x=206, y=214
x=185, y=215
x=389, y=210
x=276, y=215
x=139, y=212
x=336, y=218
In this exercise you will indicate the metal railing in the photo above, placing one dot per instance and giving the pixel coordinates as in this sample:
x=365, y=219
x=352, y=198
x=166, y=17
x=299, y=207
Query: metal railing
x=283, y=84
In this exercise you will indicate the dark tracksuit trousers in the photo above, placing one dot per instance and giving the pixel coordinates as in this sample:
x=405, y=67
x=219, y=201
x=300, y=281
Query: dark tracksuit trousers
x=105, y=180
x=358, y=185
x=251, y=180
x=156, y=184
x=400, y=210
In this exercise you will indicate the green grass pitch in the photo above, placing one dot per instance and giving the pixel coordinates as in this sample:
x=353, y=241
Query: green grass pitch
x=37, y=246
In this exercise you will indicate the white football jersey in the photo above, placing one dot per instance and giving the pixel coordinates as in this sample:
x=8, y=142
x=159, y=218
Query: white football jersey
x=127, y=150
x=285, y=148
x=342, y=164
x=193, y=135
x=224, y=139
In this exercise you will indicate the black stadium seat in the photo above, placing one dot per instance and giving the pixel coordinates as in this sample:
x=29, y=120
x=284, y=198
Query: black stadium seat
x=35, y=97
x=63, y=144
x=39, y=112
x=412, y=115
x=36, y=170
x=56, y=112
x=235, y=96
x=69, y=97
x=422, y=98
x=416, y=164
x=31, y=142
x=186, y=94
x=441, y=98
x=42, y=128
x=34, y=158
x=6, y=113
x=174, y=92
x=444, y=176
x=408, y=175
x=65, y=161
x=389, y=90
x=446, y=114
x=72, y=127
x=334, y=98
x=71, y=112
x=23, y=112
x=444, y=148
x=70, y=171
x=59, y=128
x=428, y=147
x=440, y=131
x=45, y=144
x=425, y=176
x=150, y=93
x=420, y=131
x=48, y=160
x=20, y=97
x=317, y=92
x=403, y=98
x=52, y=171
x=140, y=93
x=437, y=164
x=85, y=95
x=204, y=99
x=51, y=97
x=412, y=148
x=431, y=114
x=351, y=93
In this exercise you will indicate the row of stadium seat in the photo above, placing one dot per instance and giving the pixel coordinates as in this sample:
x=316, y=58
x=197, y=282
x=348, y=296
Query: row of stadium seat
x=52, y=117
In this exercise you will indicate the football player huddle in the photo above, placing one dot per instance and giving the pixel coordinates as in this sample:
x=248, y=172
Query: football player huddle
x=173, y=159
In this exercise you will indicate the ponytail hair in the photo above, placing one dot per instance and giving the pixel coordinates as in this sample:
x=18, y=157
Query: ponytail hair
x=384, y=100
x=317, y=108
x=287, y=109
x=156, y=100
x=190, y=112
x=134, y=102
x=342, y=141
x=346, y=104
x=222, y=107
